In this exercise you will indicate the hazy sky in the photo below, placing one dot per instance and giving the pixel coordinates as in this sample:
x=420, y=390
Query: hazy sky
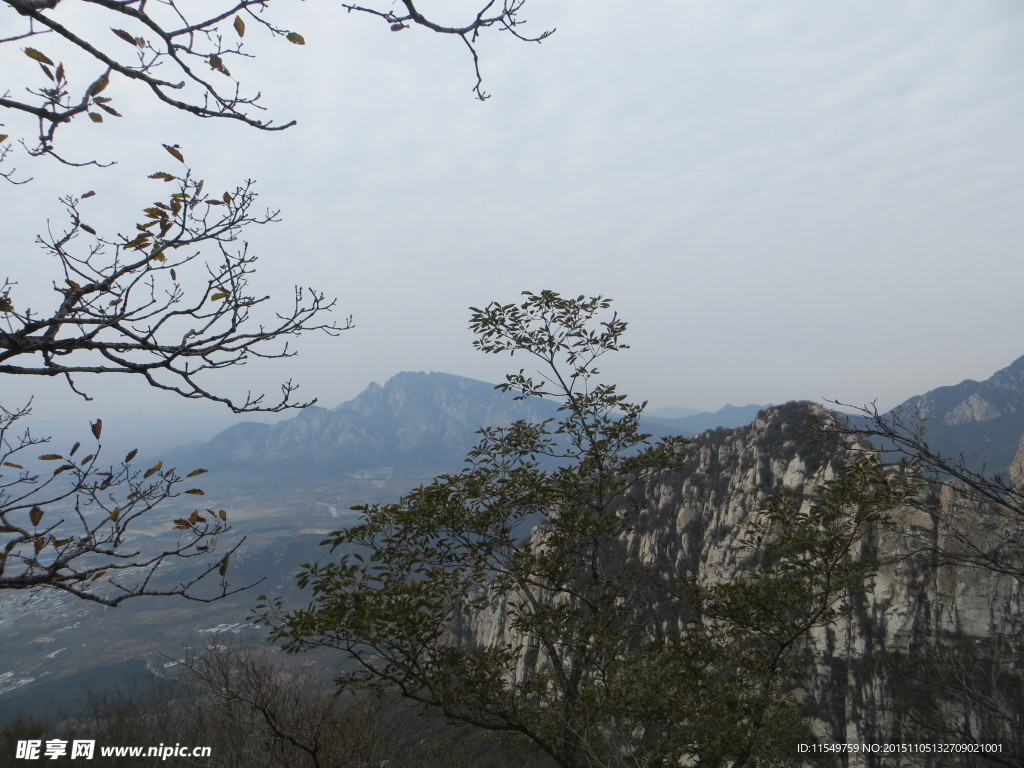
x=785, y=199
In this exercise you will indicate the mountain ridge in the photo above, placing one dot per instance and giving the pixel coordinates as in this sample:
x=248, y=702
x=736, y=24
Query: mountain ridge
x=427, y=422
x=425, y=419
x=981, y=420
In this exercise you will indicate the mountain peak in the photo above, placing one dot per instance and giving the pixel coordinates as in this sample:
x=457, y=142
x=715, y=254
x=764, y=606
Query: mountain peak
x=412, y=391
x=983, y=420
x=973, y=401
x=414, y=418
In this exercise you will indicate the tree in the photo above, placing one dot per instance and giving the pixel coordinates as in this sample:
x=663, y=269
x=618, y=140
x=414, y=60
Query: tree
x=279, y=716
x=166, y=304
x=507, y=596
x=71, y=531
x=181, y=53
x=130, y=305
x=123, y=308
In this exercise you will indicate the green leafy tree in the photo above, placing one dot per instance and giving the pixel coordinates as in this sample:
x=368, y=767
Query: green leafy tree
x=507, y=597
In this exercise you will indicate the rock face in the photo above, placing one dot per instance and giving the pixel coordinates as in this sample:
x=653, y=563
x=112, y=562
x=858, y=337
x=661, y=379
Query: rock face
x=999, y=395
x=692, y=528
x=1017, y=468
x=974, y=408
x=914, y=605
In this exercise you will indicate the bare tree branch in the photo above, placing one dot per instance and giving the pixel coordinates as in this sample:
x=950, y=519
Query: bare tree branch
x=161, y=48
x=67, y=528
x=168, y=302
x=505, y=16
x=978, y=518
x=182, y=57
x=128, y=305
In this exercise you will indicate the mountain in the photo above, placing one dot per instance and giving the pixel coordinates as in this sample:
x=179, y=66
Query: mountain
x=420, y=421
x=425, y=422
x=412, y=427
x=414, y=422
x=982, y=420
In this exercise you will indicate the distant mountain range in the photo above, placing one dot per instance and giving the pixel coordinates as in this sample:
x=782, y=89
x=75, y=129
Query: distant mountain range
x=671, y=412
x=695, y=423
x=416, y=423
x=420, y=423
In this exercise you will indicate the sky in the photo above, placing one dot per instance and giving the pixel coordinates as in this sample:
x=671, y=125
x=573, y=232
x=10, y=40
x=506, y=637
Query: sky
x=785, y=200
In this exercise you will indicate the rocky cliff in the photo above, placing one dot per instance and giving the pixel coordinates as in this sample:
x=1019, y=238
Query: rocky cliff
x=867, y=681
x=1017, y=468
x=932, y=612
